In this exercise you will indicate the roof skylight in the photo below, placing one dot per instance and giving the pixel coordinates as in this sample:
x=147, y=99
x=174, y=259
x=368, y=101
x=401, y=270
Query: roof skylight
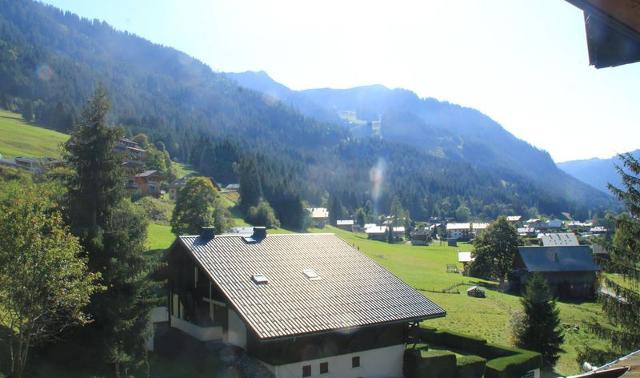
x=311, y=274
x=260, y=279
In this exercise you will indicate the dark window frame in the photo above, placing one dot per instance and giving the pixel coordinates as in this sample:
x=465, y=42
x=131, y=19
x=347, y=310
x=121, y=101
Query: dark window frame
x=324, y=367
x=355, y=362
x=306, y=370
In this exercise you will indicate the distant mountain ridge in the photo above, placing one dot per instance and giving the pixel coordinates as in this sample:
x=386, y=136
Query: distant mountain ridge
x=596, y=172
x=441, y=129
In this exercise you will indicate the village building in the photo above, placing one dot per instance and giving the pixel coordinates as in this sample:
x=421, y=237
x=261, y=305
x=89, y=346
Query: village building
x=569, y=270
x=514, y=219
x=598, y=230
x=526, y=231
x=535, y=223
x=380, y=232
x=147, y=183
x=421, y=236
x=305, y=305
x=465, y=258
x=345, y=224
x=477, y=228
x=319, y=216
x=231, y=188
x=558, y=239
x=554, y=224
x=459, y=231
x=134, y=155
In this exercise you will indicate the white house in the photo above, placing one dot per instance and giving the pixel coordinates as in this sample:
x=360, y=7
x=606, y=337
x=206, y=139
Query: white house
x=319, y=216
x=458, y=230
x=305, y=305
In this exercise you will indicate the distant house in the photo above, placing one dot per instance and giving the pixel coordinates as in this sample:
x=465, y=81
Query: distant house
x=569, y=270
x=535, y=223
x=319, y=216
x=134, y=155
x=304, y=305
x=558, y=239
x=148, y=182
x=514, y=218
x=231, y=188
x=477, y=228
x=465, y=258
x=420, y=236
x=380, y=232
x=598, y=230
x=554, y=224
x=35, y=164
x=345, y=224
x=459, y=231
x=526, y=231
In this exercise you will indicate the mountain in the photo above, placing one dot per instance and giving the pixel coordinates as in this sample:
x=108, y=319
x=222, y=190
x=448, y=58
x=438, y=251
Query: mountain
x=433, y=156
x=441, y=129
x=596, y=172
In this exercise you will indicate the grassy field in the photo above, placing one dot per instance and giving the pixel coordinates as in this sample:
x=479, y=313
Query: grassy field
x=425, y=269
x=18, y=138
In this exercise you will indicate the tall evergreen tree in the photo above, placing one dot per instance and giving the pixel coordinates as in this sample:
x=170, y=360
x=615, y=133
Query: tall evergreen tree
x=250, y=186
x=540, y=329
x=621, y=304
x=112, y=234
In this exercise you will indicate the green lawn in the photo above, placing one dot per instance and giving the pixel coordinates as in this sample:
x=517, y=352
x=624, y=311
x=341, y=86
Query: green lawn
x=425, y=269
x=18, y=138
x=183, y=170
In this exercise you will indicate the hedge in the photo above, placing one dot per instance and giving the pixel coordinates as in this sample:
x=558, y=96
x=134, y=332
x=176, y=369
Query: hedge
x=429, y=364
x=503, y=362
x=470, y=366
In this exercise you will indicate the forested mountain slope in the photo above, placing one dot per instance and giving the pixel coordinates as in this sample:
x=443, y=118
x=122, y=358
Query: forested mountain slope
x=50, y=61
x=439, y=128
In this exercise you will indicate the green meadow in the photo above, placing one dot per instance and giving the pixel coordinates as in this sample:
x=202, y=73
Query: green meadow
x=19, y=138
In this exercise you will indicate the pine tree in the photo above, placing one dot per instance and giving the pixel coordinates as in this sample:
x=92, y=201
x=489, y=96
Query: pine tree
x=250, y=186
x=112, y=233
x=621, y=304
x=540, y=330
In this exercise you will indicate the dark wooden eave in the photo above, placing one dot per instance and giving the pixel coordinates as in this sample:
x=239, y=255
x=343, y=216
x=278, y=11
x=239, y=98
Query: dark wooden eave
x=613, y=31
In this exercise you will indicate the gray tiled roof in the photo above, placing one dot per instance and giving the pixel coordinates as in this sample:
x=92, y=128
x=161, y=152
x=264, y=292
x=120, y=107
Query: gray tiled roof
x=558, y=259
x=353, y=290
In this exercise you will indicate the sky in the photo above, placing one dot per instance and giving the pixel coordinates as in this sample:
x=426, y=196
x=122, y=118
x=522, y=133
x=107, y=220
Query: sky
x=523, y=63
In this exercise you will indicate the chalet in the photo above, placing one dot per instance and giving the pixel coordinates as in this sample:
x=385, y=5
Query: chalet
x=305, y=305
x=535, y=223
x=598, y=230
x=514, y=219
x=569, y=270
x=319, y=216
x=558, y=239
x=231, y=188
x=380, y=232
x=134, y=155
x=477, y=228
x=526, y=231
x=421, y=236
x=554, y=224
x=459, y=231
x=148, y=182
x=345, y=224
x=465, y=258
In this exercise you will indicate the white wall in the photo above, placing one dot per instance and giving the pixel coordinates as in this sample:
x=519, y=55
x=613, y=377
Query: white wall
x=200, y=333
x=237, y=331
x=374, y=363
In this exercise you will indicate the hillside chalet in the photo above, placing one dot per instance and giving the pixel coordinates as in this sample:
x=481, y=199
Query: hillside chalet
x=380, y=232
x=148, y=182
x=302, y=304
x=319, y=216
x=345, y=224
x=569, y=270
x=459, y=231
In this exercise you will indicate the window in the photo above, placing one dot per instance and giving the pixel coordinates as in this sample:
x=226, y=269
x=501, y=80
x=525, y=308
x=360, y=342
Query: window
x=324, y=367
x=311, y=274
x=306, y=371
x=355, y=361
x=260, y=279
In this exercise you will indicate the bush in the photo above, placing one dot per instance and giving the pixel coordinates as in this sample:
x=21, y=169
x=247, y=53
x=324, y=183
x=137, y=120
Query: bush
x=156, y=210
x=513, y=366
x=262, y=215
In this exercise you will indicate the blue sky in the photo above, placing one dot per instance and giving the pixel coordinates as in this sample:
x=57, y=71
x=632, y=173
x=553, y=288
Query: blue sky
x=524, y=63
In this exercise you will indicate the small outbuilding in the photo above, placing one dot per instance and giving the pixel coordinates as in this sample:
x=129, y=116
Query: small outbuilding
x=476, y=291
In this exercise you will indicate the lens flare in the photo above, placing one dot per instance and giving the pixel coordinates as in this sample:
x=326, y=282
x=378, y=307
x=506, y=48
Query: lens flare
x=44, y=72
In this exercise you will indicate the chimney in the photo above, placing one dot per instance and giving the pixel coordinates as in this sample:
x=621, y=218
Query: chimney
x=207, y=233
x=259, y=233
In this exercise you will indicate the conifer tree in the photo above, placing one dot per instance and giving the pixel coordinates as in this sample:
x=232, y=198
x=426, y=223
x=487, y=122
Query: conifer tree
x=621, y=298
x=250, y=186
x=112, y=233
x=540, y=330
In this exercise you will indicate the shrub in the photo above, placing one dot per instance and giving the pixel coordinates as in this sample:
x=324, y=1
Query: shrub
x=156, y=210
x=429, y=363
x=513, y=366
x=262, y=215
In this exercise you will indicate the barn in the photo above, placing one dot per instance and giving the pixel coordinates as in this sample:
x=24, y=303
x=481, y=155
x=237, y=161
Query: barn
x=302, y=304
x=569, y=270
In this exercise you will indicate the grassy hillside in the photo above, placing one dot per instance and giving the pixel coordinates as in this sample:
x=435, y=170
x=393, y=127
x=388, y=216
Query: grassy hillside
x=19, y=138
